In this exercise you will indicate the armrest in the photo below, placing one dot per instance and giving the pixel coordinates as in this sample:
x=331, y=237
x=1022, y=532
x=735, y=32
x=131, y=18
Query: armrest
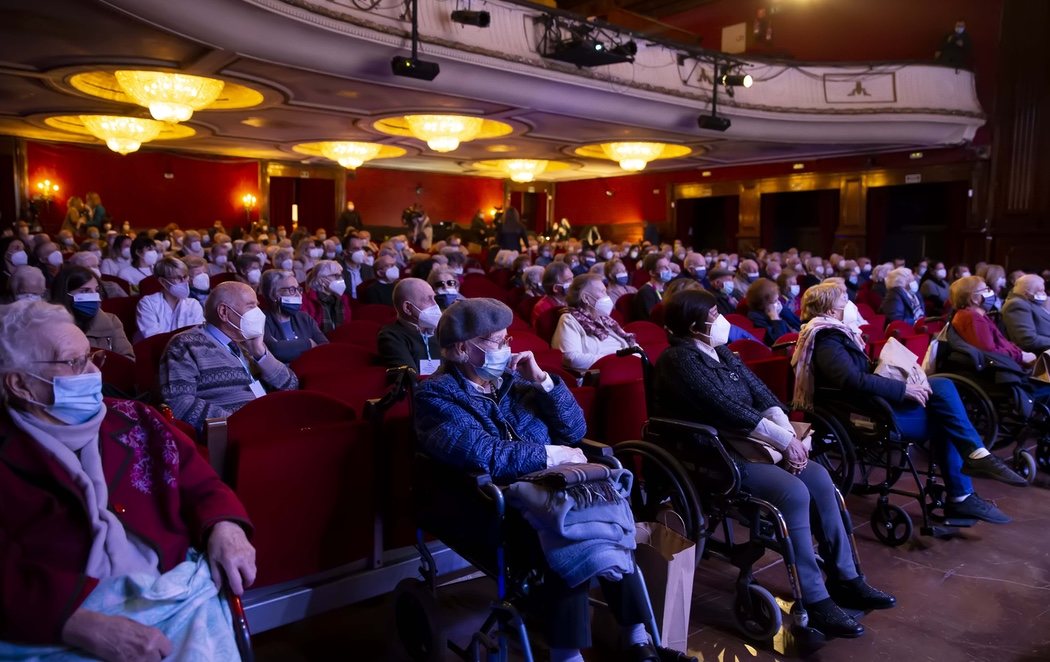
x=686, y=425
x=599, y=453
x=216, y=435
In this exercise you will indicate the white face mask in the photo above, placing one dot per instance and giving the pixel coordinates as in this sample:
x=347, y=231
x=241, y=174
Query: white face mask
x=429, y=317
x=913, y=286
x=220, y=259
x=851, y=316
x=55, y=259
x=149, y=258
x=337, y=287
x=604, y=306
x=940, y=273
x=286, y=265
x=125, y=252
x=253, y=323
x=370, y=260
x=391, y=274
x=253, y=276
x=195, y=246
x=1039, y=297
x=19, y=258
x=316, y=253
x=794, y=289
x=202, y=282
x=358, y=256
x=719, y=332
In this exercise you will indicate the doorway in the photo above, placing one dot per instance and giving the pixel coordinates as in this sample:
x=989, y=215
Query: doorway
x=805, y=220
x=315, y=200
x=913, y=221
x=533, y=208
x=705, y=223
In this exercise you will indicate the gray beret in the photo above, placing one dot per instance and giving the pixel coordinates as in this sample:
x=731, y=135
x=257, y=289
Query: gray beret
x=472, y=318
x=718, y=273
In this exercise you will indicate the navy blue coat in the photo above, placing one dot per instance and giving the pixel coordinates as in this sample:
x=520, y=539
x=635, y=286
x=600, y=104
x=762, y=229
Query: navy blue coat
x=788, y=323
x=839, y=363
x=897, y=305
x=503, y=434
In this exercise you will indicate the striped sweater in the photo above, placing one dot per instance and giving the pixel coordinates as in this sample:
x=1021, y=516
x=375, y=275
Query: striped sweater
x=201, y=379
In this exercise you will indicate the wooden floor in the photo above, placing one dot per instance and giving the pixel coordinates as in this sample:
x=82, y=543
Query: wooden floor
x=982, y=595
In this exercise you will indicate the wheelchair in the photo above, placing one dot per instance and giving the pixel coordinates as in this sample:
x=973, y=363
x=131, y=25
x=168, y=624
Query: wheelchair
x=686, y=466
x=994, y=390
x=468, y=513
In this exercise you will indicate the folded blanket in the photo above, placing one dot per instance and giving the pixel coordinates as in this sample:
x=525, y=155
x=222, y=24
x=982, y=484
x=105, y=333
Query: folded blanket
x=583, y=518
x=183, y=603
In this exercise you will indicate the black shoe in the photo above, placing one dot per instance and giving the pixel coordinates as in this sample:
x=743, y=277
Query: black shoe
x=857, y=594
x=992, y=467
x=974, y=506
x=643, y=653
x=831, y=621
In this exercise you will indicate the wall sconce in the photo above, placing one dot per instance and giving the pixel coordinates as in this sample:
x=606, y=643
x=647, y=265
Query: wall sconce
x=45, y=191
x=248, y=200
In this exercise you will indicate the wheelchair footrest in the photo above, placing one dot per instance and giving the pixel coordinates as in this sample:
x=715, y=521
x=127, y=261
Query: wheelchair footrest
x=954, y=522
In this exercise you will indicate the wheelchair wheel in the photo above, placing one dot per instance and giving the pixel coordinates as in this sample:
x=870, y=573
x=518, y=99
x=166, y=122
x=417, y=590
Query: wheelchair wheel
x=763, y=619
x=1026, y=465
x=659, y=481
x=417, y=617
x=1042, y=454
x=891, y=525
x=833, y=449
x=979, y=409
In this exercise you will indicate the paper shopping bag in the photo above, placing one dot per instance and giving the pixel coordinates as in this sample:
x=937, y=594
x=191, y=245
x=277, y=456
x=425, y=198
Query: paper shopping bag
x=1042, y=367
x=667, y=561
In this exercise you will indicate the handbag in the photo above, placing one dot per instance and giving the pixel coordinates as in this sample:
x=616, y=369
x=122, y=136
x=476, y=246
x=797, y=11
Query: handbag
x=1041, y=370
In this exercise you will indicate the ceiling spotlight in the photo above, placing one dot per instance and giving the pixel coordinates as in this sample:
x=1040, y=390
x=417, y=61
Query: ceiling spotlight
x=480, y=19
x=713, y=122
x=410, y=67
x=737, y=80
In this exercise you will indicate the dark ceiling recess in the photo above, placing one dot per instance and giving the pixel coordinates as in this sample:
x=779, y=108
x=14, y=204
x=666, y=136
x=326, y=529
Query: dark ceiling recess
x=657, y=9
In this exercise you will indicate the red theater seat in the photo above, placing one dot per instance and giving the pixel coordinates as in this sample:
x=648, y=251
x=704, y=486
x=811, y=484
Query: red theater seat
x=333, y=357
x=148, y=354
x=126, y=310
x=647, y=333
x=625, y=307
x=363, y=333
x=118, y=372
x=900, y=329
x=353, y=387
x=750, y=350
x=548, y=322
x=124, y=285
x=476, y=285
x=149, y=285
x=775, y=372
x=376, y=312
x=222, y=278
x=742, y=322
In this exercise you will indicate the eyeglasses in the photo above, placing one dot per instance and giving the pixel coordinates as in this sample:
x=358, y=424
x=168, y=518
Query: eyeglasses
x=448, y=283
x=78, y=365
x=500, y=344
x=289, y=291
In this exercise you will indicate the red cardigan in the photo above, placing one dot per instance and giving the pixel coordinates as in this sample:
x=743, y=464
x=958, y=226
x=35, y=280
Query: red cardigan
x=312, y=307
x=160, y=488
x=980, y=331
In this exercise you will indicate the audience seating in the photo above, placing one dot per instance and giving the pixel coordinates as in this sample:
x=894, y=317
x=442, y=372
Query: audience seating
x=333, y=357
x=930, y=326
x=621, y=411
x=899, y=329
x=148, y=354
x=750, y=350
x=222, y=278
x=519, y=325
x=639, y=277
x=587, y=398
x=123, y=284
x=126, y=310
x=475, y=285
x=377, y=312
x=525, y=341
x=353, y=387
x=304, y=469
x=149, y=285
x=118, y=373
x=646, y=333
x=501, y=277
x=548, y=322
x=775, y=372
x=873, y=332
x=525, y=306
x=742, y=322
x=625, y=307
x=656, y=315
x=363, y=333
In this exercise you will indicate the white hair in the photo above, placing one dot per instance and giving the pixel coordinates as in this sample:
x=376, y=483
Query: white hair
x=1027, y=283
x=897, y=277
x=505, y=259
x=22, y=325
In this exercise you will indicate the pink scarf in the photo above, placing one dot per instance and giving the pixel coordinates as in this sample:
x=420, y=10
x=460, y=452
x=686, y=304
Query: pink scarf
x=802, y=359
x=600, y=326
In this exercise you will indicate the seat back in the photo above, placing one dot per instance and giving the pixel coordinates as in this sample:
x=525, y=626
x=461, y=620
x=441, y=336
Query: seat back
x=775, y=372
x=750, y=350
x=149, y=285
x=613, y=369
x=363, y=333
x=647, y=332
x=123, y=284
x=376, y=312
x=866, y=311
x=625, y=306
x=899, y=329
x=118, y=374
x=148, y=354
x=547, y=322
x=353, y=389
x=524, y=341
x=304, y=469
x=333, y=357
x=222, y=278
x=656, y=315
x=742, y=322
x=126, y=310
x=476, y=285
x=525, y=306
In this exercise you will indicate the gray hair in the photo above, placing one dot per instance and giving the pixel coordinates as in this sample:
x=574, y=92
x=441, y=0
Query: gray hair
x=83, y=258
x=896, y=277
x=19, y=322
x=1026, y=283
x=168, y=267
x=323, y=269
x=579, y=284
x=268, y=284
x=452, y=354
x=533, y=275
x=24, y=275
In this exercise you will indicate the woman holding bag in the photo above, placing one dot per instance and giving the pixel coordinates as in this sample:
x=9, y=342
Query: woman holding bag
x=698, y=373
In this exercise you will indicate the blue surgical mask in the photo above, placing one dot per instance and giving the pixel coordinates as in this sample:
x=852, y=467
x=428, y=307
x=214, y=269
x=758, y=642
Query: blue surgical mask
x=700, y=272
x=291, y=305
x=87, y=304
x=78, y=398
x=728, y=287
x=621, y=278
x=495, y=364
x=666, y=275
x=446, y=299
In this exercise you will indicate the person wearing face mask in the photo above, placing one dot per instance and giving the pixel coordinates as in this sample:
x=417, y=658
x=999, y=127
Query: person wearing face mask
x=546, y=255
x=587, y=332
x=26, y=283
x=90, y=261
x=445, y=285
x=78, y=290
x=219, y=261
x=814, y=267
x=382, y=290
x=289, y=331
x=213, y=370
x=14, y=255
x=282, y=259
x=994, y=276
x=200, y=281
x=112, y=500
x=307, y=253
x=831, y=354
x=694, y=267
x=357, y=263
x=144, y=256
x=699, y=379
x=659, y=269
x=933, y=287
x=411, y=340
x=521, y=263
x=325, y=299
x=248, y=269
x=902, y=301
x=492, y=410
x=48, y=258
x=349, y=220
x=873, y=291
x=767, y=313
x=118, y=256
x=172, y=308
x=192, y=245
x=1026, y=316
x=557, y=278
x=618, y=278
x=723, y=286
x=745, y=276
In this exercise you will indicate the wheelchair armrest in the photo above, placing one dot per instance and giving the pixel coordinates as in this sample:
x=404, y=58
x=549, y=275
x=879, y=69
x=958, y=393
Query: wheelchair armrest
x=591, y=377
x=685, y=425
x=599, y=453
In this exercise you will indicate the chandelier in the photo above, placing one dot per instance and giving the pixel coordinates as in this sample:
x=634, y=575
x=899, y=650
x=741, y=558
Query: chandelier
x=349, y=154
x=122, y=134
x=633, y=156
x=444, y=133
x=170, y=97
x=523, y=170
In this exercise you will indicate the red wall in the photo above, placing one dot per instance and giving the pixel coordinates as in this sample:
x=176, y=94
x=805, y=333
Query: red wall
x=381, y=195
x=134, y=188
x=859, y=30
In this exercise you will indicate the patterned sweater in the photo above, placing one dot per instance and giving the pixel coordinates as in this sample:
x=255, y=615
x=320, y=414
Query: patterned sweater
x=201, y=379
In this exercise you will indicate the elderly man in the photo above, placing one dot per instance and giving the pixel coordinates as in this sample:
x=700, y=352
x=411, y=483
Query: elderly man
x=746, y=274
x=26, y=283
x=214, y=370
x=111, y=499
x=172, y=308
x=387, y=273
x=410, y=340
x=357, y=263
x=694, y=267
x=219, y=259
x=902, y=301
x=1026, y=316
x=723, y=286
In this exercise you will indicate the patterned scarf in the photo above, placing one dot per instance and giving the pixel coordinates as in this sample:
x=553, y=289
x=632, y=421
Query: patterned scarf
x=600, y=326
x=802, y=359
x=586, y=484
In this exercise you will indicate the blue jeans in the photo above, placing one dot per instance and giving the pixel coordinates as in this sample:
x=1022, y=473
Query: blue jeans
x=1040, y=391
x=944, y=422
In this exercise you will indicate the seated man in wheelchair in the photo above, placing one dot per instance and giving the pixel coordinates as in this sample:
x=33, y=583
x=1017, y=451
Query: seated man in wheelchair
x=699, y=379
x=831, y=354
x=489, y=410
x=104, y=502
x=972, y=299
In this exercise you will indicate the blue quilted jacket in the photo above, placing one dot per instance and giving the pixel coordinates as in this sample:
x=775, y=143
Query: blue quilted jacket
x=502, y=434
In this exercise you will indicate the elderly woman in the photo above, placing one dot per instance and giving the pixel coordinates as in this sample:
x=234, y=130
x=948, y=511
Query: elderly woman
x=78, y=290
x=787, y=283
x=307, y=253
x=972, y=300
x=699, y=379
x=490, y=410
x=282, y=259
x=289, y=331
x=144, y=255
x=557, y=277
x=445, y=285
x=874, y=290
x=172, y=308
x=618, y=278
x=532, y=278
x=933, y=286
x=325, y=300
x=902, y=300
x=994, y=275
x=831, y=354
x=26, y=283
x=90, y=261
x=587, y=333
x=200, y=281
x=99, y=554
x=1026, y=316
x=767, y=313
